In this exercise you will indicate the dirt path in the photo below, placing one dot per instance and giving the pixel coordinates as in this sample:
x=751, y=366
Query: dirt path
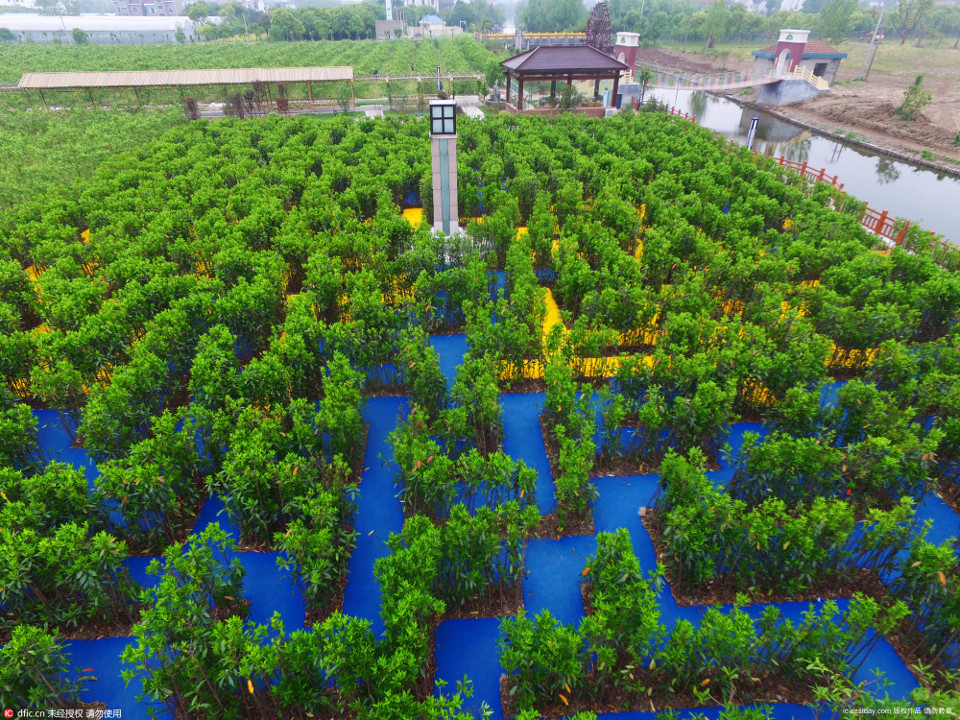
x=865, y=109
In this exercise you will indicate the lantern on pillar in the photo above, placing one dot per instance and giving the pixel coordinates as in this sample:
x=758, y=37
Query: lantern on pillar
x=443, y=155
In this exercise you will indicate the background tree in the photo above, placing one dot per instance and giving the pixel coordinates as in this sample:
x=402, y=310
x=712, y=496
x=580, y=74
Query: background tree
x=476, y=15
x=836, y=19
x=80, y=36
x=716, y=24
x=909, y=15
x=59, y=7
x=344, y=97
x=570, y=97
x=198, y=12
x=947, y=20
x=285, y=25
x=553, y=15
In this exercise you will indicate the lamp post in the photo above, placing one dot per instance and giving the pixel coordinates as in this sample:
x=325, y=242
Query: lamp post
x=443, y=156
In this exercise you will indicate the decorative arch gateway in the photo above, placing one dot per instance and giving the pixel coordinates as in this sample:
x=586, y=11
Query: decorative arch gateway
x=560, y=64
x=784, y=63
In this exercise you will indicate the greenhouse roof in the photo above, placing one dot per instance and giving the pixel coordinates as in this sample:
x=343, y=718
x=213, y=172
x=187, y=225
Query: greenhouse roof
x=146, y=78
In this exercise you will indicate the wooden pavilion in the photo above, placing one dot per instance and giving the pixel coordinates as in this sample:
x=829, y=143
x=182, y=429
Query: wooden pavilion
x=563, y=63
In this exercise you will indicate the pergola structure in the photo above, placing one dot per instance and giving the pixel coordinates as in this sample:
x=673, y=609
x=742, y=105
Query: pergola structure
x=569, y=63
x=133, y=79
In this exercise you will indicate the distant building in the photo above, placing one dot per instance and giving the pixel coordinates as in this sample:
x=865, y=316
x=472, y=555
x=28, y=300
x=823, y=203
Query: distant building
x=794, y=50
x=387, y=29
x=25, y=4
x=435, y=4
x=146, y=8
x=432, y=21
x=105, y=29
x=433, y=26
x=756, y=7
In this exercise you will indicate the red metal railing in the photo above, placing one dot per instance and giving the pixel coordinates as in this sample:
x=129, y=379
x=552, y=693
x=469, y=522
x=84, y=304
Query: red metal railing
x=686, y=116
x=882, y=224
x=875, y=221
x=811, y=174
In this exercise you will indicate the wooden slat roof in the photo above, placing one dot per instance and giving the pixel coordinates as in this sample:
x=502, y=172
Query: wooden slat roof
x=147, y=78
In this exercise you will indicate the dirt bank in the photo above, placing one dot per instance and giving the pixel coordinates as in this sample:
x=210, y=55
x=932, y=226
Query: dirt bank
x=864, y=109
x=868, y=110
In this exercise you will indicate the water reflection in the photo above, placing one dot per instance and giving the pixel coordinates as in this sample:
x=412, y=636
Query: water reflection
x=887, y=171
x=904, y=190
x=699, y=102
x=798, y=149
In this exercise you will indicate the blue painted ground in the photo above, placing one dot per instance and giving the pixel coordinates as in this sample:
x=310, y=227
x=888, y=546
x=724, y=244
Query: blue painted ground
x=213, y=512
x=378, y=513
x=464, y=647
x=450, y=349
x=270, y=591
x=469, y=648
x=523, y=440
x=102, y=658
x=946, y=523
x=777, y=712
x=555, y=568
x=619, y=507
x=55, y=442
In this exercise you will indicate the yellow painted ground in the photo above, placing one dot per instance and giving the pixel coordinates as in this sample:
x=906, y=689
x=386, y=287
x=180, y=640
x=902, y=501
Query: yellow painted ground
x=552, y=316
x=414, y=216
x=608, y=367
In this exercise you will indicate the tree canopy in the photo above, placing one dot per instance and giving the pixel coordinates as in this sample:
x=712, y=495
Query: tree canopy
x=553, y=15
x=837, y=19
x=909, y=15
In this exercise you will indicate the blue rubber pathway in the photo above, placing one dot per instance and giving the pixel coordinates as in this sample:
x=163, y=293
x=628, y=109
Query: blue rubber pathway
x=378, y=512
x=270, y=591
x=101, y=659
x=556, y=567
x=213, y=512
x=55, y=443
x=469, y=648
x=946, y=523
x=523, y=440
x=777, y=712
x=450, y=349
x=618, y=506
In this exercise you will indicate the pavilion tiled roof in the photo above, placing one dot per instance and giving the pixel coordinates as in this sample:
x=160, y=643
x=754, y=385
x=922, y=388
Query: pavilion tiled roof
x=564, y=58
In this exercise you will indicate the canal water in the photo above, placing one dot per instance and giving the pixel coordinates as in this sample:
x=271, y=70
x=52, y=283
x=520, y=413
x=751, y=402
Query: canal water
x=906, y=191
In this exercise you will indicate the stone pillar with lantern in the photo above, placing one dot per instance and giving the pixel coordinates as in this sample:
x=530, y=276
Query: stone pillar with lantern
x=443, y=156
